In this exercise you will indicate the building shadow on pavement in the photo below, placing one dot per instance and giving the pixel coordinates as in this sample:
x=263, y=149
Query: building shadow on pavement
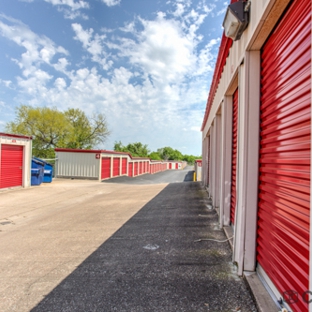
x=153, y=263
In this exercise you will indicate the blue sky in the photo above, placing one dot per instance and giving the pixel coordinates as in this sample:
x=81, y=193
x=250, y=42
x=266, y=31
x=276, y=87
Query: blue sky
x=146, y=64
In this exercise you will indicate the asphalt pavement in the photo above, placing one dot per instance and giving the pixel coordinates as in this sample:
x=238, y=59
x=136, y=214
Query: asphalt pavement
x=168, y=176
x=170, y=256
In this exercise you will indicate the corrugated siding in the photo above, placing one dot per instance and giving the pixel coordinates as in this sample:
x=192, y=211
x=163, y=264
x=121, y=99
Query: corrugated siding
x=83, y=165
x=284, y=174
x=234, y=155
x=11, y=165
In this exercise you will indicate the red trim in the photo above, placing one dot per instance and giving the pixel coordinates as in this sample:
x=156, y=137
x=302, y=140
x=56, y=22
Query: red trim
x=16, y=136
x=70, y=150
x=224, y=50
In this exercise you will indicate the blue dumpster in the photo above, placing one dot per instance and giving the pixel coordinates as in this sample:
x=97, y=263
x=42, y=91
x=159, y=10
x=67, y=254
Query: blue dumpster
x=35, y=177
x=47, y=172
x=37, y=171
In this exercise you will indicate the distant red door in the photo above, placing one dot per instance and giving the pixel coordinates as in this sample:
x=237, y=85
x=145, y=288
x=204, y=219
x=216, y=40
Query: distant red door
x=130, y=170
x=177, y=166
x=136, y=169
x=124, y=166
x=106, y=167
x=11, y=166
x=116, y=168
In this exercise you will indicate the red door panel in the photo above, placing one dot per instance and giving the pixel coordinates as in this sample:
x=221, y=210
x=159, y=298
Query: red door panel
x=284, y=168
x=124, y=166
x=106, y=167
x=130, y=170
x=116, y=167
x=234, y=155
x=11, y=166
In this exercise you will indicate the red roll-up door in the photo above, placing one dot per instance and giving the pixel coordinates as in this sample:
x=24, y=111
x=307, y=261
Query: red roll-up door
x=234, y=155
x=140, y=168
x=11, y=166
x=106, y=167
x=170, y=165
x=284, y=171
x=208, y=162
x=124, y=166
x=116, y=167
x=136, y=169
x=177, y=166
x=130, y=170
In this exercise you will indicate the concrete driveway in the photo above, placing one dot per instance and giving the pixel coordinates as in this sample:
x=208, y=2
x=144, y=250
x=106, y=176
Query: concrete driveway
x=87, y=246
x=49, y=230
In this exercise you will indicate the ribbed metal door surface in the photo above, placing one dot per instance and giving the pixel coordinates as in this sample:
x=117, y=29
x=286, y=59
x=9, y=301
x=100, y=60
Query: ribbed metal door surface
x=208, y=160
x=284, y=172
x=11, y=166
x=116, y=166
x=124, y=166
x=136, y=169
x=130, y=169
x=106, y=167
x=234, y=155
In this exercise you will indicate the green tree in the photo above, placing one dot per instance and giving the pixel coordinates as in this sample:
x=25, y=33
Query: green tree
x=154, y=156
x=85, y=133
x=136, y=149
x=51, y=128
x=168, y=153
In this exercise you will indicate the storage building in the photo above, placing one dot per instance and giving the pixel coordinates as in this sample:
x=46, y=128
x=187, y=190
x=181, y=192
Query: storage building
x=102, y=164
x=256, y=146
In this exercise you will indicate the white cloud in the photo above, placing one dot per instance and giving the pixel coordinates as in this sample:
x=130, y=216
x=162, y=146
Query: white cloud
x=195, y=128
x=153, y=91
x=179, y=10
x=39, y=49
x=68, y=14
x=60, y=83
x=71, y=8
x=161, y=50
x=74, y=5
x=6, y=83
x=111, y=2
x=93, y=43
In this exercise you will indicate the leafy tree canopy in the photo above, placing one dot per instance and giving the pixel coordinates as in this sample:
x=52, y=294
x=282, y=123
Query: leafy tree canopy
x=165, y=153
x=51, y=128
x=135, y=149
